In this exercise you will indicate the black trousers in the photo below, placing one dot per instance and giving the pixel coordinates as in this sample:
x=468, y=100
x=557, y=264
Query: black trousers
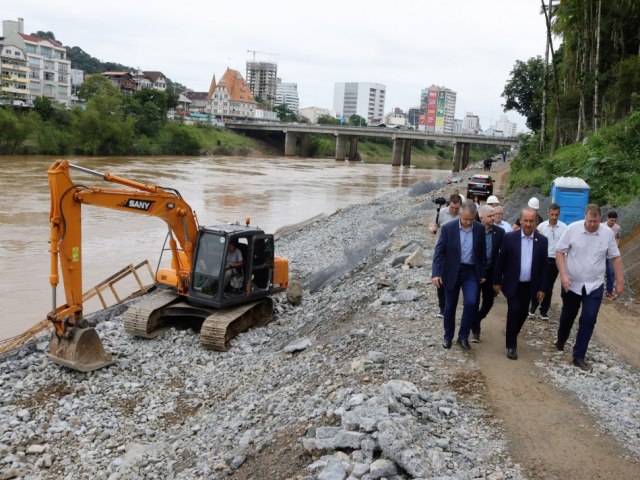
x=441, y=298
x=485, y=302
x=552, y=275
x=517, y=310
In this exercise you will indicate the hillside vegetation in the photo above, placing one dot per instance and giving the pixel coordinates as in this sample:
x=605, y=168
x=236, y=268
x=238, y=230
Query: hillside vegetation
x=581, y=100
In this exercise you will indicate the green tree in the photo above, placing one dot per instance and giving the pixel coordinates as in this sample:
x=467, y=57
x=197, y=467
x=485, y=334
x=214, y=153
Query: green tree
x=357, y=121
x=523, y=91
x=148, y=108
x=14, y=129
x=327, y=120
x=43, y=106
x=95, y=85
x=285, y=114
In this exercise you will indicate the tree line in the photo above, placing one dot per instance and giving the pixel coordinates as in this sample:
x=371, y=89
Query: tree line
x=110, y=124
x=589, y=76
x=581, y=99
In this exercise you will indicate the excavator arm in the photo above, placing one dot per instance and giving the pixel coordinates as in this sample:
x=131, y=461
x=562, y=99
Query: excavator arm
x=73, y=344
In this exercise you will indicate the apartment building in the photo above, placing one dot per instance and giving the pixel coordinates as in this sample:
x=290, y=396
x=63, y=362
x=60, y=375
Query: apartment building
x=262, y=80
x=471, y=124
x=49, y=69
x=231, y=96
x=14, y=81
x=360, y=98
x=287, y=94
x=438, y=106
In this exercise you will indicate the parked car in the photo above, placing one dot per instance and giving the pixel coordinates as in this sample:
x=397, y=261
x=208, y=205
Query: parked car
x=480, y=185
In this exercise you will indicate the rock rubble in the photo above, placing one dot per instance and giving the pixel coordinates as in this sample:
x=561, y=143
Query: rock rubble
x=351, y=383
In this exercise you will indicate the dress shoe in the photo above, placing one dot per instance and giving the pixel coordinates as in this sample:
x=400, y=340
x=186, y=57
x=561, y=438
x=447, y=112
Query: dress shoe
x=475, y=337
x=464, y=344
x=581, y=364
x=446, y=343
x=512, y=353
x=559, y=346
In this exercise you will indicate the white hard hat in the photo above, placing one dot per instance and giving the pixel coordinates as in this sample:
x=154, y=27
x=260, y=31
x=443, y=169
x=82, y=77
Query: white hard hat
x=534, y=203
x=493, y=199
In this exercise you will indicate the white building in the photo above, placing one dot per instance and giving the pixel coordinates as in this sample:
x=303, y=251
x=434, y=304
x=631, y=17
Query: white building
x=287, y=94
x=396, y=118
x=457, y=126
x=14, y=81
x=360, y=98
x=508, y=129
x=231, y=96
x=314, y=113
x=471, y=124
x=49, y=69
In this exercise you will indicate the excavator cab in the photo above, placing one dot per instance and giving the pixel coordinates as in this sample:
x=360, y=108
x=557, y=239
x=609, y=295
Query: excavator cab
x=214, y=286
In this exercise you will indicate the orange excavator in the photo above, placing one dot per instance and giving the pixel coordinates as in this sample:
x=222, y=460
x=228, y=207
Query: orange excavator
x=221, y=277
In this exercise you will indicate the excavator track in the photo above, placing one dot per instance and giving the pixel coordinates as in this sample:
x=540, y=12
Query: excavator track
x=145, y=318
x=222, y=325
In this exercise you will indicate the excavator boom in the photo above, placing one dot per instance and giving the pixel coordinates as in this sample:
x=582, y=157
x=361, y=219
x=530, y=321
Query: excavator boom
x=73, y=343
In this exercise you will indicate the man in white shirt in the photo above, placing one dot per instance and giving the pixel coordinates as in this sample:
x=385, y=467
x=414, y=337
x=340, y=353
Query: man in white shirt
x=553, y=228
x=498, y=218
x=581, y=254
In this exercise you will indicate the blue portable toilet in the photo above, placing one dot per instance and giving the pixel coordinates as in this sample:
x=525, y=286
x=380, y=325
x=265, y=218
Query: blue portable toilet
x=572, y=194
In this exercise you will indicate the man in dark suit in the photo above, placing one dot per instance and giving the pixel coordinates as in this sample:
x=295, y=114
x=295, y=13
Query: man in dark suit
x=493, y=239
x=521, y=271
x=459, y=262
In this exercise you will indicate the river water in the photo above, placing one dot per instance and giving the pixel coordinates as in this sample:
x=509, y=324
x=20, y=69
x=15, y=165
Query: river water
x=273, y=192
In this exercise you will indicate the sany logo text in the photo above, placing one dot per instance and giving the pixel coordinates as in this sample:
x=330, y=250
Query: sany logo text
x=139, y=204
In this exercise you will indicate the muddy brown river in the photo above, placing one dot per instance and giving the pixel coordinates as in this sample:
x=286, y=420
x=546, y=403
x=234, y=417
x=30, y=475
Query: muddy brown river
x=273, y=192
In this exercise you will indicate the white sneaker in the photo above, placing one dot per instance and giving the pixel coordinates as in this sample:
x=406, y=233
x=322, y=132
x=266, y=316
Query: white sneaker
x=439, y=315
x=544, y=316
x=531, y=314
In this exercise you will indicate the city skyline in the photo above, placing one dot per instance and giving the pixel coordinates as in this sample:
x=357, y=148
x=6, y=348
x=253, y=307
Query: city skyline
x=407, y=48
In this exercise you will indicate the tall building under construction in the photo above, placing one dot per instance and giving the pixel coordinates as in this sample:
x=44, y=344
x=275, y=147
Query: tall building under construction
x=262, y=80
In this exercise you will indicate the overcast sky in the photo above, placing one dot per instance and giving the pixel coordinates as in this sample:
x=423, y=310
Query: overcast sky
x=469, y=46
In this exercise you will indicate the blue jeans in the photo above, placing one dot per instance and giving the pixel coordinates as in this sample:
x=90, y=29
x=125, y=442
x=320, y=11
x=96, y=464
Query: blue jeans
x=609, y=276
x=468, y=282
x=571, y=303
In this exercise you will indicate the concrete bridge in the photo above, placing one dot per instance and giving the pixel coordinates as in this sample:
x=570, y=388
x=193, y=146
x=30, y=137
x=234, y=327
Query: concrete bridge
x=347, y=134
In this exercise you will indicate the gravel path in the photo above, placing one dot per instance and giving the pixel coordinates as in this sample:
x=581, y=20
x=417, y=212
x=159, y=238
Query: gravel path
x=351, y=383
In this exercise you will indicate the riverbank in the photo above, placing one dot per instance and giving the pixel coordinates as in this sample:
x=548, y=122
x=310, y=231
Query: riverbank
x=352, y=381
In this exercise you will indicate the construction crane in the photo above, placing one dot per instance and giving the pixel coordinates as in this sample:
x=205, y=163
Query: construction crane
x=264, y=53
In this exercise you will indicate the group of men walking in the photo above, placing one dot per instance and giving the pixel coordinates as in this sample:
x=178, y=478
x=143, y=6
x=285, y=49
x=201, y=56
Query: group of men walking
x=481, y=255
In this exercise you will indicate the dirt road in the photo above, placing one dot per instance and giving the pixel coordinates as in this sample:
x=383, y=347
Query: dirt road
x=550, y=433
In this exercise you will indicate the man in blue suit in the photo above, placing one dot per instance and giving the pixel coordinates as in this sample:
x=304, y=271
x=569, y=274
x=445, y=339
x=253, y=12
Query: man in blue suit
x=493, y=240
x=460, y=262
x=521, y=272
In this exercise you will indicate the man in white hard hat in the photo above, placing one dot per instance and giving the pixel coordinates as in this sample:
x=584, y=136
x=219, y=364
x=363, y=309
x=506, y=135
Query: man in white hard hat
x=493, y=201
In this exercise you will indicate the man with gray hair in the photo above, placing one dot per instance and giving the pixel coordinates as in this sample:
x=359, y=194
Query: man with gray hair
x=493, y=241
x=581, y=254
x=460, y=262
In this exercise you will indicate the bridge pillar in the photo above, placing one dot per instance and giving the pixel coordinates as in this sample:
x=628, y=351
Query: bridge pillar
x=398, y=145
x=406, y=158
x=457, y=154
x=304, y=144
x=465, y=155
x=341, y=141
x=290, y=144
x=353, y=149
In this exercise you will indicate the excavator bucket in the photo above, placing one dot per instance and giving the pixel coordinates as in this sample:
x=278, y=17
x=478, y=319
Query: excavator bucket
x=82, y=352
